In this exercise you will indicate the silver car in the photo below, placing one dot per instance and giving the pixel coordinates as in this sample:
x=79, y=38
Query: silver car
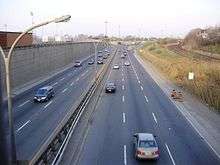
x=145, y=146
x=127, y=63
x=116, y=66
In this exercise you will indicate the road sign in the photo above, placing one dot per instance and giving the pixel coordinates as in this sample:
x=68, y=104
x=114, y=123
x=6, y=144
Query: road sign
x=191, y=76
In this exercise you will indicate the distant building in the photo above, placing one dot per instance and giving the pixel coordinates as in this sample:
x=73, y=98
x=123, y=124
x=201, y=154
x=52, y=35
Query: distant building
x=7, y=39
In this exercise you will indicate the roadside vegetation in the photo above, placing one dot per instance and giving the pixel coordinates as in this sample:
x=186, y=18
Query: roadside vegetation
x=212, y=48
x=206, y=84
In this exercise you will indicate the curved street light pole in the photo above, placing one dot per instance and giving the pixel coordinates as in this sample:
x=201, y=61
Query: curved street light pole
x=7, y=62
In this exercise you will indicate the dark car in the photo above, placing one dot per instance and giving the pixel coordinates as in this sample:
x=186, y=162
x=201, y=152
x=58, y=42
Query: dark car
x=100, y=56
x=78, y=63
x=110, y=87
x=91, y=62
x=44, y=94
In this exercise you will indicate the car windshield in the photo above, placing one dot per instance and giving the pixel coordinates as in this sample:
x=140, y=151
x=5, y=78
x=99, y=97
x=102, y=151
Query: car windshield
x=41, y=92
x=147, y=144
x=110, y=84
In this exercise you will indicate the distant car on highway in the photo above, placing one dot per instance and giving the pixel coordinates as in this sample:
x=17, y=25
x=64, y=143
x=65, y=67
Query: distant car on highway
x=125, y=53
x=145, y=146
x=116, y=66
x=99, y=51
x=100, y=61
x=105, y=56
x=127, y=63
x=90, y=62
x=44, y=94
x=110, y=87
x=122, y=56
x=77, y=63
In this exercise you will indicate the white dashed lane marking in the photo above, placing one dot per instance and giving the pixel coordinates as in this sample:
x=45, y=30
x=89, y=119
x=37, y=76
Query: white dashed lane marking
x=23, y=125
x=155, y=119
x=48, y=104
x=125, y=155
x=64, y=90
x=62, y=79
x=24, y=103
x=142, y=88
x=72, y=84
x=171, y=157
x=146, y=98
x=123, y=117
x=123, y=98
x=55, y=84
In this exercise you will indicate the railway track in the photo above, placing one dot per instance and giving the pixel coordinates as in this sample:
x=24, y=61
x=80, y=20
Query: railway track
x=179, y=50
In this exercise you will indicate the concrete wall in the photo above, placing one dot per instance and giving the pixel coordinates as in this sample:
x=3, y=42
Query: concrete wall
x=30, y=63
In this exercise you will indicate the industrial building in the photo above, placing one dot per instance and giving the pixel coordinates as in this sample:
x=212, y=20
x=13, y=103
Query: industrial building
x=7, y=39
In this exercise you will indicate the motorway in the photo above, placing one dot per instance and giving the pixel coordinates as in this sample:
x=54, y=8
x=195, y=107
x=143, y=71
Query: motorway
x=34, y=122
x=139, y=105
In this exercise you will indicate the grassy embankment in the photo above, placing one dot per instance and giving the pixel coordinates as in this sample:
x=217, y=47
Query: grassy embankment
x=206, y=84
x=212, y=48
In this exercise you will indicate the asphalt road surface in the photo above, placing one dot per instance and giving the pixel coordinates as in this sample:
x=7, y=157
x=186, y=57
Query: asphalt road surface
x=139, y=105
x=34, y=122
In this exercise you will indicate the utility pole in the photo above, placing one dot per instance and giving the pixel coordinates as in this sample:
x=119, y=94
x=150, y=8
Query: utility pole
x=6, y=26
x=119, y=31
x=3, y=125
x=106, y=28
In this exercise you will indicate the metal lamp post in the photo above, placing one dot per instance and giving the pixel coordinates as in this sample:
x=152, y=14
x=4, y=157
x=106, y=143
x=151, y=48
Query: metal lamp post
x=7, y=62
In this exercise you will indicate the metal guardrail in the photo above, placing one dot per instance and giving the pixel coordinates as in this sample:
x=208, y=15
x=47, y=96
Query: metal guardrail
x=51, y=149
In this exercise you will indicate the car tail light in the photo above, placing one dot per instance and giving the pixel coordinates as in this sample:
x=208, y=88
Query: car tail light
x=140, y=153
x=156, y=152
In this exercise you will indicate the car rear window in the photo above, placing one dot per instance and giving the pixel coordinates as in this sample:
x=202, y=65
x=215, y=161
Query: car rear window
x=147, y=144
x=41, y=91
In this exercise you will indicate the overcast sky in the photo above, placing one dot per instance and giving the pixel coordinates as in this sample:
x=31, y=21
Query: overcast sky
x=135, y=17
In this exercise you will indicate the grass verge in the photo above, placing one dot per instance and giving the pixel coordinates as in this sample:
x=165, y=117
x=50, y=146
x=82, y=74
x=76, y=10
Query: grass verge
x=212, y=48
x=206, y=84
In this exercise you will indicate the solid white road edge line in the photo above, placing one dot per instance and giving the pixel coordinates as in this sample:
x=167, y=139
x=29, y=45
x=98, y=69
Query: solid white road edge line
x=23, y=125
x=171, y=157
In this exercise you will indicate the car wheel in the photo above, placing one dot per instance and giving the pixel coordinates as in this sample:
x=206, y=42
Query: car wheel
x=136, y=157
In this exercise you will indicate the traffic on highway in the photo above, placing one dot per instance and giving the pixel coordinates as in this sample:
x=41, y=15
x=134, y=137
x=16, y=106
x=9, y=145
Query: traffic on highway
x=118, y=82
x=138, y=124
